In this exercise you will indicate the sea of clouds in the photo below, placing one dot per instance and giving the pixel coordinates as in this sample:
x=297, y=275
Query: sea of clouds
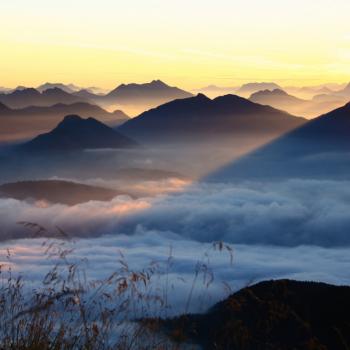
x=295, y=229
x=286, y=213
x=250, y=264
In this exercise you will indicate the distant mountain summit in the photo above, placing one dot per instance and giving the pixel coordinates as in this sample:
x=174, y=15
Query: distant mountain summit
x=215, y=91
x=200, y=118
x=250, y=88
x=141, y=93
x=280, y=99
x=70, y=88
x=137, y=97
x=75, y=133
x=260, y=96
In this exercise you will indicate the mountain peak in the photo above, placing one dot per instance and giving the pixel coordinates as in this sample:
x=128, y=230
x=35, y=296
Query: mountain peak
x=25, y=91
x=201, y=96
x=194, y=118
x=71, y=118
x=155, y=90
x=279, y=92
x=158, y=83
x=54, y=90
x=65, y=87
x=75, y=133
x=254, y=87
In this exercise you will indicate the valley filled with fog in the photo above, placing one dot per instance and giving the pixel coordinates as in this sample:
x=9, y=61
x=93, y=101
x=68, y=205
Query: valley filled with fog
x=172, y=184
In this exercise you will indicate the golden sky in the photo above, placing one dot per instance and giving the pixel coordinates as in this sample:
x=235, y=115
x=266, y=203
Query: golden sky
x=189, y=43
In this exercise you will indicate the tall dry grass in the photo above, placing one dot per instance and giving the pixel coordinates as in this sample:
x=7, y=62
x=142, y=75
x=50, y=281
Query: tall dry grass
x=70, y=311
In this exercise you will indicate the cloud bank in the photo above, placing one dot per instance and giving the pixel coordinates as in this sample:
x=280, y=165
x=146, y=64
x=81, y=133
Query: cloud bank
x=288, y=213
x=250, y=264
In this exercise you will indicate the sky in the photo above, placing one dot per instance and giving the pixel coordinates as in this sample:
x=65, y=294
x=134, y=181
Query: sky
x=185, y=43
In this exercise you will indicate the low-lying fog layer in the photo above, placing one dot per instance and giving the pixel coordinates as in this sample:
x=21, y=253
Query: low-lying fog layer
x=285, y=213
x=289, y=229
x=251, y=263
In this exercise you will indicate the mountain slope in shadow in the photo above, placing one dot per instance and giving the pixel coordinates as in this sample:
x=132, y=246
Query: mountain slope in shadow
x=76, y=133
x=273, y=315
x=318, y=149
x=202, y=119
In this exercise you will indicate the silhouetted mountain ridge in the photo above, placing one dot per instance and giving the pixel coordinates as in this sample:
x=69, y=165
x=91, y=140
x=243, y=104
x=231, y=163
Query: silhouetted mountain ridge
x=274, y=315
x=60, y=109
x=139, y=93
x=75, y=133
x=32, y=97
x=25, y=123
x=70, y=88
x=201, y=116
x=250, y=88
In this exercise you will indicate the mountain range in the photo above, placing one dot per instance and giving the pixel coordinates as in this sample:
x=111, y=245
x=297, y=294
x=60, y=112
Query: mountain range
x=32, y=97
x=75, y=133
x=69, y=88
x=215, y=91
x=139, y=93
x=318, y=105
x=140, y=96
x=136, y=98
x=277, y=98
x=200, y=118
x=247, y=89
x=342, y=95
x=23, y=123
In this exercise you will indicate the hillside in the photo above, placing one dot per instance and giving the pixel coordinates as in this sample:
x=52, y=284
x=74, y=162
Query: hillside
x=76, y=133
x=202, y=119
x=25, y=123
x=317, y=149
x=274, y=315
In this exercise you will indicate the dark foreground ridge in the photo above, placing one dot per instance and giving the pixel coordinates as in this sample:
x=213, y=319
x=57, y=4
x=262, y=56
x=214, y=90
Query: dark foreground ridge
x=273, y=315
